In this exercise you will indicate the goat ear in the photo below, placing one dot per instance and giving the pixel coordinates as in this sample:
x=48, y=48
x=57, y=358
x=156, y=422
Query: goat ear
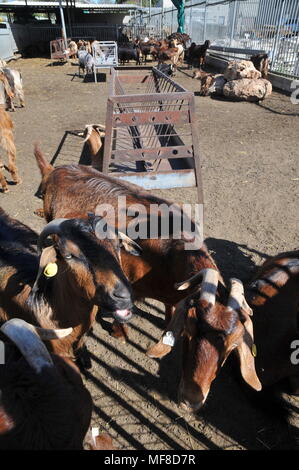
x=48, y=255
x=246, y=351
x=173, y=332
x=129, y=245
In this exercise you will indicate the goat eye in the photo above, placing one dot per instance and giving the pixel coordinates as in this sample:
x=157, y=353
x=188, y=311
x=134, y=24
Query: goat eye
x=69, y=256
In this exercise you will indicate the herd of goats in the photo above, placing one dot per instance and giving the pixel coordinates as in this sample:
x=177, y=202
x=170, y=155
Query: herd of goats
x=243, y=79
x=54, y=284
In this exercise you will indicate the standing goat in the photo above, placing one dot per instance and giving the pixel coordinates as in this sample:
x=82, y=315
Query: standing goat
x=65, y=283
x=93, y=137
x=163, y=265
x=86, y=61
x=44, y=404
x=273, y=298
x=6, y=137
x=261, y=63
x=14, y=78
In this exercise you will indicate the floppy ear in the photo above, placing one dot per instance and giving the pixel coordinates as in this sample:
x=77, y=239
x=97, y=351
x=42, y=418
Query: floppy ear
x=48, y=255
x=173, y=332
x=129, y=245
x=246, y=351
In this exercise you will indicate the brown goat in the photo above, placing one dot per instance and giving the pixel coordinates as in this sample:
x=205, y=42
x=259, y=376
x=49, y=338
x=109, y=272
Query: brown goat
x=261, y=63
x=206, y=81
x=7, y=143
x=273, y=296
x=94, y=138
x=67, y=283
x=164, y=263
x=44, y=404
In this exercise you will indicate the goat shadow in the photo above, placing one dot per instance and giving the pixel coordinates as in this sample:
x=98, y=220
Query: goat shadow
x=234, y=259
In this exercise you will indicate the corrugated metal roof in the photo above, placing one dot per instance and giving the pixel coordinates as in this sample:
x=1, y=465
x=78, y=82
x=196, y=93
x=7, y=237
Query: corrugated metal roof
x=84, y=5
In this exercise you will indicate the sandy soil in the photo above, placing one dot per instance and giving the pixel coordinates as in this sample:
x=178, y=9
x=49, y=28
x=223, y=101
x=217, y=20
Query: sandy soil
x=251, y=179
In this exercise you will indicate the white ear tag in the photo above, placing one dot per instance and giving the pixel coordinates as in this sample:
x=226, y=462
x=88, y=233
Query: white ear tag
x=168, y=338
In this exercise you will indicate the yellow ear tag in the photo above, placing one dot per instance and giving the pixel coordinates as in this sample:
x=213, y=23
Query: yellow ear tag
x=254, y=350
x=51, y=270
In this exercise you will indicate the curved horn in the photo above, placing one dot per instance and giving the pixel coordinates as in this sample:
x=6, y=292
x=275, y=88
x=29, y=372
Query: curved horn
x=88, y=128
x=47, y=334
x=97, y=127
x=53, y=227
x=236, y=300
x=29, y=343
x=210, y=278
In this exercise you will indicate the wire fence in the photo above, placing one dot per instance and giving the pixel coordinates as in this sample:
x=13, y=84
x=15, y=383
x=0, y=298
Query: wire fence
x=267, y=25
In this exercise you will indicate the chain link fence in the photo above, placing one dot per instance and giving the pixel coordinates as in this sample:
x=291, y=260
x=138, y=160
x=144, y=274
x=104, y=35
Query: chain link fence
x=267, y=25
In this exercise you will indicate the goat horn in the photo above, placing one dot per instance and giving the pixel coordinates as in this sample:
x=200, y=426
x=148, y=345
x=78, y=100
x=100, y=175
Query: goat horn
x=53, y=227
x=88, y=128
x=236, y=300
x=28, y=342
x=210, y=278
x=47, y=334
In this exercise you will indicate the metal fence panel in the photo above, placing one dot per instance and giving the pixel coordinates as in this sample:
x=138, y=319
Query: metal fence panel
x=269, y=25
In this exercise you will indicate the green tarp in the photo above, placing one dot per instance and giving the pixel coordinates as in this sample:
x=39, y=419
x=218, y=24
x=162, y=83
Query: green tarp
x=179, y=4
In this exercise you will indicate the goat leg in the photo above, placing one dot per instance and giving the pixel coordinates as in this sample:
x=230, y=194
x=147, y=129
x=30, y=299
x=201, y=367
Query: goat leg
x=3, y=182
x=119, y=331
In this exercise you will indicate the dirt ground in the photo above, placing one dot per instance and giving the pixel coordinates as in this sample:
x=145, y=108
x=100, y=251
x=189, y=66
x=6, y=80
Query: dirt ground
x=251, y=179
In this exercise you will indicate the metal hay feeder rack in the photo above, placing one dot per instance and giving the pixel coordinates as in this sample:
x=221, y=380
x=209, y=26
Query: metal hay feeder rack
x=151, y=136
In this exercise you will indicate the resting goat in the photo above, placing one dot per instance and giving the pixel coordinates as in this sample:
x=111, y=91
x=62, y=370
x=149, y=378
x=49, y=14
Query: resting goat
x=68, y=282
x=7, y=138
x=44, y=404
x=164, y=263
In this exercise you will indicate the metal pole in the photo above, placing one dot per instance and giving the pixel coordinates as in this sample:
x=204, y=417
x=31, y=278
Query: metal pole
x=162, y=20
x=190, y=21
x=150, y=11
x=233, y=24
x=64, y=36
x=205, y=23
x=172, y=20
x=277, y=33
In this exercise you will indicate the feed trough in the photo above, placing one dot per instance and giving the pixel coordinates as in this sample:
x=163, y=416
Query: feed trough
x=151, y=133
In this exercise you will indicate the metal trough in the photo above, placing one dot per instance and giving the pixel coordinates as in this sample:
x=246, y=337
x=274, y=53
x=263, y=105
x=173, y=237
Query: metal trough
x=151, y=135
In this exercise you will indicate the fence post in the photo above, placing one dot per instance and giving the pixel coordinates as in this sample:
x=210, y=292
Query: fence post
x=205, y=23
x=277, y=33
x=63, y=24
x=233, y=24
x=190, y=20
x=172, y=20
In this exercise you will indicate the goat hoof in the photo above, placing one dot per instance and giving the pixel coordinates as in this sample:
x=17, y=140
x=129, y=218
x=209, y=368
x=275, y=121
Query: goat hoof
x=5, y=190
